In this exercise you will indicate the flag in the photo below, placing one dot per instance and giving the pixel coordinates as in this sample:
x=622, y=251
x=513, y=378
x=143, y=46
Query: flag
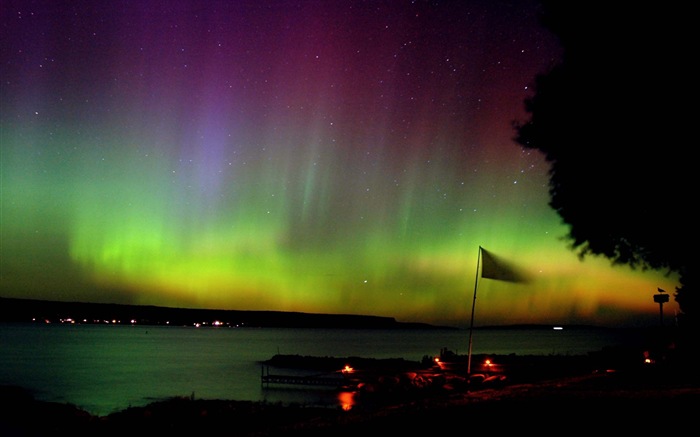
x=492, y=267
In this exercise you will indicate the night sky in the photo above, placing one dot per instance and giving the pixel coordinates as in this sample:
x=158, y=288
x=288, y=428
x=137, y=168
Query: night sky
x=316, y=156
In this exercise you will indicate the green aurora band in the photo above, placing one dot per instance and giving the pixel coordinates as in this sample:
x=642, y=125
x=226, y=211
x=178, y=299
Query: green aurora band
x=197, y=167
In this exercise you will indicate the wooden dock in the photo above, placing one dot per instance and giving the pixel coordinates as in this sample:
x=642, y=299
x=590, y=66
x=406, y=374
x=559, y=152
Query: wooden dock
x=323, y=379
x=302, y=380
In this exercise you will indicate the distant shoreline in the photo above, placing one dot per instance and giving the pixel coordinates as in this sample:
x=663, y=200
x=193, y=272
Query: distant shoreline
x=49, y=311
x=28, y=310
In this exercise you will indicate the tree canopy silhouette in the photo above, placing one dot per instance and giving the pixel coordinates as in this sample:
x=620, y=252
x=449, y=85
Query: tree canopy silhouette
x=612, y=120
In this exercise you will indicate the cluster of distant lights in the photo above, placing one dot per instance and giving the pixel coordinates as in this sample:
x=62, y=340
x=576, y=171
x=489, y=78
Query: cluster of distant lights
x=71, y=321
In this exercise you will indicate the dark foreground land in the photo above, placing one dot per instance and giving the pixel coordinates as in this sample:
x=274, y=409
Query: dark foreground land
x=577, y=399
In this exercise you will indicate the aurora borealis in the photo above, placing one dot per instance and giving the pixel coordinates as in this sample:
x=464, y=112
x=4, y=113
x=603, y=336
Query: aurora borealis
x=337, y=157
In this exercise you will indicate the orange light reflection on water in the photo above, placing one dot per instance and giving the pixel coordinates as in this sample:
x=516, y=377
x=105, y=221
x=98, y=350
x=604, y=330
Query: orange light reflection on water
x=346, y=400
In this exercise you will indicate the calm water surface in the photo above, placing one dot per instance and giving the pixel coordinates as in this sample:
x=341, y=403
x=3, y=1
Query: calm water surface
x=106, y=368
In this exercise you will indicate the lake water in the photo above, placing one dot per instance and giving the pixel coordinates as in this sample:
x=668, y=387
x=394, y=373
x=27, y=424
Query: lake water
x=107, y=368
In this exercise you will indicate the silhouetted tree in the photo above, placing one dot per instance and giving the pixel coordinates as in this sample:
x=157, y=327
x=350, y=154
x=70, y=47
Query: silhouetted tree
x=613, y=120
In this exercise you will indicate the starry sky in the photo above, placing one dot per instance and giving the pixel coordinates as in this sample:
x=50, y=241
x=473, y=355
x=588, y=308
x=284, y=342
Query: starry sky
x=317, y=156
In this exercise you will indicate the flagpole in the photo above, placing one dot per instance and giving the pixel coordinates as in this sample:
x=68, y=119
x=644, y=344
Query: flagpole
x=471, y=323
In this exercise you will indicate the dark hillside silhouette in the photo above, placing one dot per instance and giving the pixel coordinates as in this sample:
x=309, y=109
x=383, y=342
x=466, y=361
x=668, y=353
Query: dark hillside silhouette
x=43, y=311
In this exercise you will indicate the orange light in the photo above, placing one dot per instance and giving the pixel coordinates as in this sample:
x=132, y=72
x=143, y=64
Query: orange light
x=487, y=363
x=347, y=400
x=348, y=369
